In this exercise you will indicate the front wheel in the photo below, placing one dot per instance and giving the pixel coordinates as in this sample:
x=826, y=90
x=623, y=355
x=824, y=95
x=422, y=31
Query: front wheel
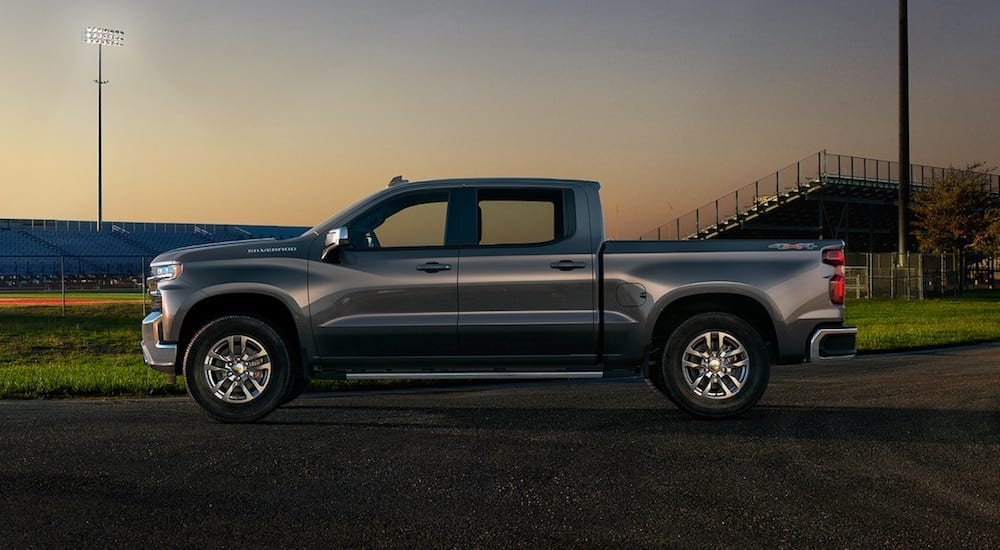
x=715, y=365
x=237, y=369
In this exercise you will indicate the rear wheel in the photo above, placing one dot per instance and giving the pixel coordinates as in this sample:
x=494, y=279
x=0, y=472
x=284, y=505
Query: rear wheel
x=715, y=365
x=237, y=369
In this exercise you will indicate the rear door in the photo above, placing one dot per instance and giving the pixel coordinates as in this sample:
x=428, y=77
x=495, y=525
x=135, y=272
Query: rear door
x=526, y=284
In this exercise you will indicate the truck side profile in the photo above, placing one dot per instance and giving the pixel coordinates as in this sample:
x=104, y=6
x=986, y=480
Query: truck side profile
x=490, y=279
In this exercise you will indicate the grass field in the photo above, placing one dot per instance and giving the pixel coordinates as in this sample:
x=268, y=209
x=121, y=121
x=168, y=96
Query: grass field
x=890, y=325
x=93, y=350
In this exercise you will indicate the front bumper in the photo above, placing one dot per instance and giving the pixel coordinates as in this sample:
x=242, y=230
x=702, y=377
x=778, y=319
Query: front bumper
x=833, y=343
x=161, y=356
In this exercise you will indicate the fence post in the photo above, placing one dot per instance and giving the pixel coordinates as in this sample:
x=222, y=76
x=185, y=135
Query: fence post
x=944, y=277
x=909, y=277
x=871, y=275
x=142, y=283
x=892, y=278
x=62, y=282
x=920, y=270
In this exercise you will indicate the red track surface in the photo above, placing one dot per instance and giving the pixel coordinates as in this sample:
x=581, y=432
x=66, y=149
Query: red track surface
x=51, y=301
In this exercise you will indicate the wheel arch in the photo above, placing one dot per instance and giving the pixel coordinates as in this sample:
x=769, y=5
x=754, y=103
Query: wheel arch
x=745, y=307
x=260, y=306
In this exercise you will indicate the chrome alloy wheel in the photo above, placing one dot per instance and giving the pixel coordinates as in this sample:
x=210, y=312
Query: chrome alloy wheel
x=716, y=365
x=237, y=369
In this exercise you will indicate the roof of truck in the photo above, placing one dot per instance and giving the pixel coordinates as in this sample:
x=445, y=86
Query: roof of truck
x=533, y=181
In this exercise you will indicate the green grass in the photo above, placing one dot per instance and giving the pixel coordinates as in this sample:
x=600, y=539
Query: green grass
x=94, y=349
x=889, y=325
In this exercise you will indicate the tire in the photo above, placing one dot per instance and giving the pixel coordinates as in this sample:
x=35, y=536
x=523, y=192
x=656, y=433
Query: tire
x=237, y=369
x=715, y=365
x=298, y=385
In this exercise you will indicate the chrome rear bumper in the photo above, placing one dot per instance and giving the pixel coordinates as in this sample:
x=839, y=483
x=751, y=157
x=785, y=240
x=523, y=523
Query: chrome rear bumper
x=833, y=343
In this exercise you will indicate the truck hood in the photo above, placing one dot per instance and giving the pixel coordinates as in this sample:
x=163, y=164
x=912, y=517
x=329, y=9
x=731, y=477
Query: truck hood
x=230, y=250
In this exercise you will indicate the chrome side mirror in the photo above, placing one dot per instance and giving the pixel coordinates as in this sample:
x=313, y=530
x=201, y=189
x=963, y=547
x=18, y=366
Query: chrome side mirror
x=335, y=238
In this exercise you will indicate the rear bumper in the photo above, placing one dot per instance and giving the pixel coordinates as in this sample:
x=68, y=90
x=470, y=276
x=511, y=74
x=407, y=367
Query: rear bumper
x=832, y=343
x=161, y=356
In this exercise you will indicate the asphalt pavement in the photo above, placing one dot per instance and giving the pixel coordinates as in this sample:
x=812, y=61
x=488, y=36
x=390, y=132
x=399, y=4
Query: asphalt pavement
x=895, y=451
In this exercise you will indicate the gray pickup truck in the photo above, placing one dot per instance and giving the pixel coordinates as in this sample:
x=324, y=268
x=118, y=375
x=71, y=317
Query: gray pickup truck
x=489, y=279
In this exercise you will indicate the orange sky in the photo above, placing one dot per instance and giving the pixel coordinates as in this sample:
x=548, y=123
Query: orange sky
x=281, y=113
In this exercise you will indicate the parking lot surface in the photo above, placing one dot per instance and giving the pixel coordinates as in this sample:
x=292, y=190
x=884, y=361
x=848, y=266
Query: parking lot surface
x=882, y=451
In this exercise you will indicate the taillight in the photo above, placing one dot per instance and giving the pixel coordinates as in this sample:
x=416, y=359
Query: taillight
x=837, y=259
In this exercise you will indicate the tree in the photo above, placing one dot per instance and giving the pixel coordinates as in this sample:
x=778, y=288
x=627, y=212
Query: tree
x=989, y=242
x=956, y=212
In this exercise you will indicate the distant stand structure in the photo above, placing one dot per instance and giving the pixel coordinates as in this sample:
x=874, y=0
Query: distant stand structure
x=38, y=251
x=823, y=196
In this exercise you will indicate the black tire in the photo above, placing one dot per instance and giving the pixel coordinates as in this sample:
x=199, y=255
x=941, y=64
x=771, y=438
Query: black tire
x=654, y=377
x=237, y=369
x=715, y=365
x=298, y=385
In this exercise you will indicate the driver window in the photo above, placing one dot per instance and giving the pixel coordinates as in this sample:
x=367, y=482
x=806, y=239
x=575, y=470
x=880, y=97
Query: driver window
x=412, y=220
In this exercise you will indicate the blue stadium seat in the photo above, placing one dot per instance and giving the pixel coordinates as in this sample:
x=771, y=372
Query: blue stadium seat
x=36, y=252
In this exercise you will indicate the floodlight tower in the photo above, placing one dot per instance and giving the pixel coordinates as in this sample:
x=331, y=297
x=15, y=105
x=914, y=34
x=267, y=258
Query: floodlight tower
x=102, y=37
x=904, y=131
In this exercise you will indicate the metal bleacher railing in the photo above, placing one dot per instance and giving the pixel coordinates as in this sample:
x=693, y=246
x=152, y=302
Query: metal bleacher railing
x=790, y=183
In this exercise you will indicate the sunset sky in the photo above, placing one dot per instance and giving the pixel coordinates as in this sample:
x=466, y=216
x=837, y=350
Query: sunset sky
x=267, y=112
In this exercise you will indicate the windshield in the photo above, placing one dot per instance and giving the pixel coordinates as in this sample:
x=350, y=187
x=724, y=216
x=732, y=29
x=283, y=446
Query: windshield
x=318, y=228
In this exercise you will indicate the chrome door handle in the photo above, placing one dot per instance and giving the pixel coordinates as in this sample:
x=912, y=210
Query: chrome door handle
x=433, y=267
x=567, y=265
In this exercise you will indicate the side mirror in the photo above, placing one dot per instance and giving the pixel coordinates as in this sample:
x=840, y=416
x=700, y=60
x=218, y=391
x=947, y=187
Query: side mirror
x=335, y=238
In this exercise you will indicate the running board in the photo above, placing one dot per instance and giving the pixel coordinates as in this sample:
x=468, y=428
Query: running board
x=472, y=375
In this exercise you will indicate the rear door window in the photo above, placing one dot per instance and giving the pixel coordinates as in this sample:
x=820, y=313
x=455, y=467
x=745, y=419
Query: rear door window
x=520, y=217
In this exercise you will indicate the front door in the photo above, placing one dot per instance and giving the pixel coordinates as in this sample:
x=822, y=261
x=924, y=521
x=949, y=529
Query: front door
x=391, y=292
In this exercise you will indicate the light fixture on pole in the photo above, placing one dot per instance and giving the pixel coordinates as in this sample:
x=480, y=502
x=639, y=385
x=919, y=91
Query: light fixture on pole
x=102, y=37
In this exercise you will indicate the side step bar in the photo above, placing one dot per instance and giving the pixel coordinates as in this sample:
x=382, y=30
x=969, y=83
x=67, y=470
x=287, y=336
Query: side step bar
x=472, y=375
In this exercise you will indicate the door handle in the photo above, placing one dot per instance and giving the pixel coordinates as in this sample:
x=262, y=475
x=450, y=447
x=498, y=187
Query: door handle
x=433, y=267
x=567, y=265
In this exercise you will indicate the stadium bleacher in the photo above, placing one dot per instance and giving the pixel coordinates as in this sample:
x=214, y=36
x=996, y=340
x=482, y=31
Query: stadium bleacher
x=824, y=196
x=34, y=253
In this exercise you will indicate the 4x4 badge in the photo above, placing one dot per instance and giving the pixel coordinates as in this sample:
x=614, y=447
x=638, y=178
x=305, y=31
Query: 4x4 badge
x=794, y=246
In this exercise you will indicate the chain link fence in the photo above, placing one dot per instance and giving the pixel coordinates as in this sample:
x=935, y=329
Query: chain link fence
x=917, y=276
x=26, y=273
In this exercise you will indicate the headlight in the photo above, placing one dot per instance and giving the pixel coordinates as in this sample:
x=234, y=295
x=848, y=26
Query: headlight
x=160, y=272
x=164, y=271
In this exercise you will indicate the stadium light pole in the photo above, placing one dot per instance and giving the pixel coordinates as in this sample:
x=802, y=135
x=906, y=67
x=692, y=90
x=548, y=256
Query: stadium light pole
x=102, y=37
x=904, y=131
